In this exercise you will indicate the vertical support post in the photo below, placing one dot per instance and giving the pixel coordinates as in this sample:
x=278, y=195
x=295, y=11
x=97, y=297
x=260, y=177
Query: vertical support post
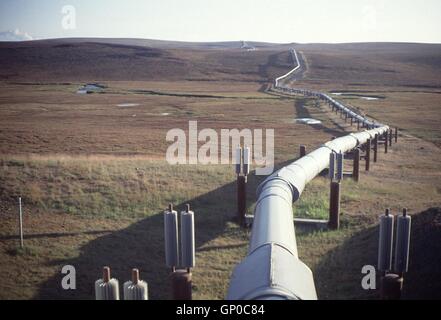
x=385, y=240
x=356, y=165
x=402, y=243
x=135, y=276
x=241, y=199
x=332, y=160
x=181, y=281
x=238, y=160
x=352, y=120
x=368, y=155
x=358, y=124
x=106, y=274
x=187, y=239
x=385, y=141
x=391, y=286
x=241, y=173
x=302, y=150
x=107, y=288
x=334, y=206
x=171, y=237
x=339, y=159
x=20, y=212
x=390, y=138
x=396, y=134
x=136, y=289
x=246, y=161
x=375, y=147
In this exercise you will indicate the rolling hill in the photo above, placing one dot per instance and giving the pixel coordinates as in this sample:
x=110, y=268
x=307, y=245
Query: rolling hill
x=99, y=59
x=82, y=59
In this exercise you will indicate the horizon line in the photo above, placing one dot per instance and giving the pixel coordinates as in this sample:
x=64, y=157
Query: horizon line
x=220, y=41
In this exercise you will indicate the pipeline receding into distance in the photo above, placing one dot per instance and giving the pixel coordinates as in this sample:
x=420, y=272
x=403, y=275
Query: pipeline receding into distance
x=272, y=268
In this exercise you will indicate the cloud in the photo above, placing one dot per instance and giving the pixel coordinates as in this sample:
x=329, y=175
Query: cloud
x=16, y=35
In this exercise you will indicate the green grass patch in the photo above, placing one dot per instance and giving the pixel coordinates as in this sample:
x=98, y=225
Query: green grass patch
x=29, y=251
x=314, y=201
x=108, y=187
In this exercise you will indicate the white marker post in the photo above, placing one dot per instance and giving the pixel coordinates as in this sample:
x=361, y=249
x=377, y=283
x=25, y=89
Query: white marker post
x=21, y=222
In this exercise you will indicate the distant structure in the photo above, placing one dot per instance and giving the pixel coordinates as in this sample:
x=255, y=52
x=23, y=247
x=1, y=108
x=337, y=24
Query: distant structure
x=90, y=88
x=247, y=47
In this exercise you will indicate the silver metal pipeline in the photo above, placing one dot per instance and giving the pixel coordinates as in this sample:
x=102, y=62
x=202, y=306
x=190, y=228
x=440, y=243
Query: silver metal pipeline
x=296, y=59
x=336, y=104
x=272, y=269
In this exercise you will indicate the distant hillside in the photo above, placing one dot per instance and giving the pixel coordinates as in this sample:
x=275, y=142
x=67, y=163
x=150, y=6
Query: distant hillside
x=83, y=59
x=402, y=64
x=167, y=44
x=132, y=59
x=163, y=44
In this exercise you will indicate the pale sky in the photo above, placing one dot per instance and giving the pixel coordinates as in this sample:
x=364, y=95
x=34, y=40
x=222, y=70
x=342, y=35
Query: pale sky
x=206, y=20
